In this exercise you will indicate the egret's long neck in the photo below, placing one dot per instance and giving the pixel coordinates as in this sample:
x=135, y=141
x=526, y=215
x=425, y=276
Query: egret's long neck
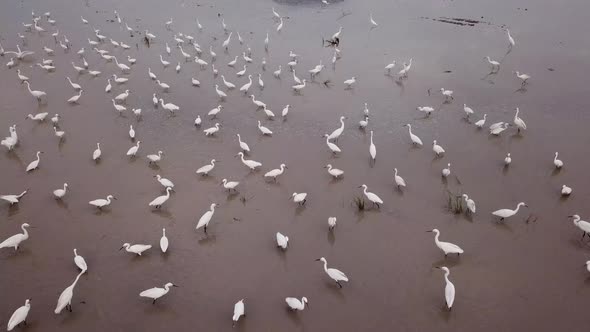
x=326, y=266
x=77, y=277
x=302, y=304
x=555, y=158
x=109, y=200
x=436, y=238
x=166, y=289
x=65, y=187
x=517, y=207
x=25, y=233
x=447, y=276
x=410, y=130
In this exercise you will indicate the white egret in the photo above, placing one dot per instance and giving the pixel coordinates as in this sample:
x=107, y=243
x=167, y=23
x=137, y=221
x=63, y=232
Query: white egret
x=170, y=107
x=297, y=88
x=498, y=130
x=508, y=159
x=163, y=86
x=195, y=82
x=446, y=171
x=233, y=62
x=198, y=120
x=280, y=26
x=523, y=77
x=581, y=224
x=260, y=81
x=178, y=68
x=510, y=39
x=296, y=304
x=213, y=113
x=264, y=130
x=438, y=150
x=65, y=299
x=238, y=311
x=206, y=218
x=19, y=316
x=373, y=23
x=282, y=241
x=558, y=163
x=470, y=203
x=212, y=130
x=507, y=213
x=587, y=266
x=131, y=132
x=120, y=80
x=335, y=274
x=285, y=110
x=468, y=110
x=59, y=133
x=164, y=241
x=449, y=288
x=243, y=145
x=34, y=164
x=425, y=109
x=74, y=99
x=36, y=93
x=371, y=196
x=118, y=108
x=399, y=181
x=226, y=42
x=133, y=150
x=154, y=158
x=15, y=240
x=338, y=131
x=415, y=139
x=447, y=93
x=38, y=117
x=164, y=182
x=244, y=88
x=479, y=124
x=495, y=64
x=332, y=223
x=337, y=34
x=220, y=93
x=80, y=261
x=390, y=66
x=137, y=249
x=100, y=203
x=565, y=190
x=335, y=172
x=160, y=200
x=372, y=148
x=228, y=84
x=60, y=193
x=157, y=292
x=333, y=147
x=277, y=73
x=21, y=77
x=251, y=164
x=299, y=198
x=518, y=122
x=446, y=247
x=207, y=168
x=230, y=185
x=275, y=172
x=13, y=199
x=164, y=62
x=350, y=82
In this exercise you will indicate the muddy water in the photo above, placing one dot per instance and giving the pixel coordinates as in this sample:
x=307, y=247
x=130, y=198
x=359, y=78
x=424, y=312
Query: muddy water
x=513, y=276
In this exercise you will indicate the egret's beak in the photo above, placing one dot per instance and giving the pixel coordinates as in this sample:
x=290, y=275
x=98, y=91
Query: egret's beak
x=428, y=231
x=526, y=205
x=317, y=259
x=175, y=286
x=360, y=186
x=570, y=216
x=115, y=198
x=437, y=267
x=325, y=166
x=121, y=248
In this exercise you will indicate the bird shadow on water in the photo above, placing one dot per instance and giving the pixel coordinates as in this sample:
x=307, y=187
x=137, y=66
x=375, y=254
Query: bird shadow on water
x=502, y=225
x=20, y=254
x=154, y=166
x=62, y=204
x=331, y=237
x=162, y=213
x=99, y=212
x=13, y=210
x=299, y=209
x=450, y=261
x=444, y=312
x=207, y=239
x=293, y=316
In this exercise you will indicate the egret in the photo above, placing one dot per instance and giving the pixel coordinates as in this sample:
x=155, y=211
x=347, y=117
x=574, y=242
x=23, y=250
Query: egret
x=299, y=198
x=264, y=130
x=251, y=164
x=510, y=39
x=238, y=311
x=229, y=185
x=518, y=122
x=415, y=139
x=446, y=171
x=15, y=240
x=297, y=88
x=78, y=69
x=335, y=274
x=233, y=62
x=94, y=73
x=164, y=86
x=332, y=223
x=164, y=182
x=118, y=108
x=65, y=299
x=169, y=106
x=449, y=288
x=195, y=82
x=164, y=241
x=495, y=64
x=285, y=111
x=154, y=158
x=206, y=218
x=177, y=68
x=470, y=203
x=565, y=190
x=399, y=181
x=19, y=315
x=425, y=109
x=137, y=249
x=21, y=77
x=523, y=77
x=198, y=120
x=295, y=78
x=266, y=41
x=36, y=93
x=282, y=241
x=38, y=117
x=33, y=165
x=164, y=62
x=438, y=150
x=350, y=82
x=479, y=124
x=60, y=193
x=275, y=172
x=133, y=150
x=80, y=262
x=74, y=99
x=274, y=12
x=243, y=145
x=13, y=199
x=506, y=213
x=277, y=73
x=446, y=247
x=131, y=132
x=160, y=200
x=213, y=113
x=212, y=130
x=228, y=84
x=498, y=130
x=225, y=43
x=371, y=196
x=280, y=26
x=587, y=265
x=157, y=292
x=558, y=163
x=447, y=93
x=468, y=111
x=120, y=80
x=260, y=82
x=59, y=133
x=337, y=34
x=155, y=100
x=333, y=147
x=207, y=168
x=338, y=131
x=335, y=172
x=55, y=119
x=220, y=93
x=508, y=159
x=149, y=35
x=296, y=304
x=246, y=86
x=373, y=23
x=100, y=203
x=372, y=148
x=202, y=63
x=581, y=224
x=152, y=75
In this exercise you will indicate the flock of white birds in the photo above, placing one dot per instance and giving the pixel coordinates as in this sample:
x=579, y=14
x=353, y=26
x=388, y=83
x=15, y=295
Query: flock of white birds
x=186, y=45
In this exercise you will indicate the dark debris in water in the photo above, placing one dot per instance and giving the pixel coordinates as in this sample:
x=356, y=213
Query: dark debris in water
x=456, y=21
x=447, y=71
x=550, y=69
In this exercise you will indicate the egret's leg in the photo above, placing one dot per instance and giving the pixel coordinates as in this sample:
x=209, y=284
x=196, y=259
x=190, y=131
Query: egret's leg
x=339, y=285
x=205, y=229
x=154, y=302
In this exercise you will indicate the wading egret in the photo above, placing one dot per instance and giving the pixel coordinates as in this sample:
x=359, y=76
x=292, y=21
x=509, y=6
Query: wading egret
x=164, y=182
x=61, y=192
x=213, y=113
x=74, y=99
x=335, y=172
x=332, y=222
x=333, y=147
x=447, y=93
x=244, y=88
x=251, y=164
x=154, y=158
x=425, y=109
x=38, y=117
x=35, y=93
x=523, y=77
x=470, y=203
x=335, y=274
x=198, y=120
x=207, y=168
x=446, y=247
x=20, y=315
x=446, y=171
x=565, y=190
x=118, y=108
x=34, y=164
x=508, y=159
x=299, y=198
x=449, y=288
x=275, y=172
x=415, y=139
x=372, y=148
x=230, y=185
x=581, y=224
x=212, y=130
x=65, y=299
x=338, y=131
x=230, y=85
x=558, y=163
x=264, y=130
x=350, y=82
x=243, y=146
x=371, y=196
x=518, y=122
x=399, y=181
x=131, y=132
x=137, y=249
x=169, y=106
x=164, y=241
x=13, y=199
x=133, y=150
x=506, y=213
x=80, y=261
x=157, y=292
x=294, y=303
x=282, y=241
x=468, y=110
x=206, y=218
x=160, y=200
x=238, y=311
x=495, y=64
x=220, y=93
x=100, y=203
x=479, y=124
x=438, y=150
x=15, y=240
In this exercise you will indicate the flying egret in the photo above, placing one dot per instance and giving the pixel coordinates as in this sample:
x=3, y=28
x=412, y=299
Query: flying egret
x=34, y=164
x=469, y=202
x=238, y=311
x=449, y=288
x=565, y=190
x=15, y=240
x=335, y=274
x=133, y=150
x=13, y=199
x=65, y=299
x=100, y=203
x=518, y=122
x=299, y=198
x=335, y=172
x=446, y=247
x=399, y=181
x=157, y=292
x=415, y=139
x=207, y=168
x=558, y=163
x=446, y=171
x=19, y=315
x=371, y=196
x=230, y=185
x=438, y=150
x=160, y=200
x=506, y=213
x=282, y=241
x=154, y=158
x=137, y=249
x=275, y=172
x=206, y=218
x=80, y=262
x=60, y=193
x=332, y=223
x=581, y=224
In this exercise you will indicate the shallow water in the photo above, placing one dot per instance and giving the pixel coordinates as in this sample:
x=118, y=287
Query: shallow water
x=515, y=275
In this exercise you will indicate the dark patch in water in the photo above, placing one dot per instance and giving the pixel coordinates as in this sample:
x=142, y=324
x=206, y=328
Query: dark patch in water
x=457, y=21
x=447, y=71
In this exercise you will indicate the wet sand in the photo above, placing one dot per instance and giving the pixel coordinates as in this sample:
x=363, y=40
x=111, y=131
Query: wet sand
x=513, y=276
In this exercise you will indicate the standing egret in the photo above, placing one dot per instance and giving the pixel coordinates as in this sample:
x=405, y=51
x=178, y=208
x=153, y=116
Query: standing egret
x=399, y=181
x=446, y=171
x=154, y=158
x=558, y=163
x=213, y=113
x=468, y=110
x=332, y=223
x=581, y=224
x=415, y=139
x=40, y=117
x=65, y=299
x=229, y=85
x=164, y=241
x=275, y=172
x=108, y=88
x=371, y=196
x=449, y=288
x=19, y=315
x=372, y=21
x=338, y=131
x=335, y=172
x=15, y=240
x=206, y=169
x=372, y=148
x=335, y=274
x=160, y=200
x=118, y=108
x=164, y=182
x=510, y=39
x=446, y=247
x=425, y=109
x=518, y=122
x=80, y=262
x=251, y=164
x=157, y=292
x=238, y=311
x=587, y=266
x=389, y=67
x=565, y=190
x=206, y=218
x=74, y=99
x=131, y=132
x=229, y=185
x=198, y=121
x=220, y=93
x=243, y=145
x=523, y=77
x=170, y=107
x=133, y=150
x=35, y=93
x=508, y=159
x=479, y=124
x=438, y=150
x=447, y=93
x=137, y=249
x=294, y=303
x=55, y=119
x=282, y=241
x=34, y=164
x=333, y=147
x=506, y=213
x=244, y=88
x=61, y=192
x=299, y=198
x=469, y=202
x=277, y=73
x=211, y=131
x=285, y=111
x=350, y=82
x=499, y=129
x=100, y=203
x=13, y=199
x=280, y=26
x=59, y=133
x=495, y=64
